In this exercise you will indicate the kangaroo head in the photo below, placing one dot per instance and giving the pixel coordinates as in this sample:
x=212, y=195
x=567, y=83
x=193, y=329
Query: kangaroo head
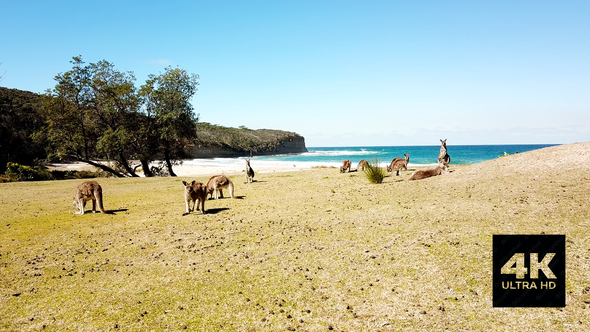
x=188, y=187
x=443, y=142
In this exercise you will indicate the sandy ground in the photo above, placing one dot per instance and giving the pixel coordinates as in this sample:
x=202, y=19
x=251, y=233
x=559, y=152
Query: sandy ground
x=304, y=251
x=185, y=170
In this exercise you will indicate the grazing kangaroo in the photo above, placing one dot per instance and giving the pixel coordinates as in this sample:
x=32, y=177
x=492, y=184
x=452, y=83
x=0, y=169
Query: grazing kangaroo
x=217, y=183
x=362, y=165
x=346, y=165
x=443, y=156
x=89, y=190
x=249, y=172
x=197, y=193
x=419, y=175
x=398, y=163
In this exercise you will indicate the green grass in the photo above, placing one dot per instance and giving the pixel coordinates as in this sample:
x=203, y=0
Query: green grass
x=306, y=252
x=374, y=173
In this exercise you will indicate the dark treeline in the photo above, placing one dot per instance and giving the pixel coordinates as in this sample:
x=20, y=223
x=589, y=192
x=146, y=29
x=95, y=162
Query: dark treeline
x=19, y=119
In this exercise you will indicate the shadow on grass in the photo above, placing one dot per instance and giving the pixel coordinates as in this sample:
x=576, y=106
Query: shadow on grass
x=215, y=211
x=235, y=197
x=119, y=210
x=107, y=211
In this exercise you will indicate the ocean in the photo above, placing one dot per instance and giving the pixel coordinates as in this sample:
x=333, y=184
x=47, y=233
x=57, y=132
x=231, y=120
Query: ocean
x=333, y=156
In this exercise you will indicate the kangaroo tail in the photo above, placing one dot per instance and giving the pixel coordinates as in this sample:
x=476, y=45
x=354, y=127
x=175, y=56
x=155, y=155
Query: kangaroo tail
x=98, y=196
x=231, y=189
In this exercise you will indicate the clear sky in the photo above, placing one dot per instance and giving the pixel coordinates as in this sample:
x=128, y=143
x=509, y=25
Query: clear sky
x=340, y=73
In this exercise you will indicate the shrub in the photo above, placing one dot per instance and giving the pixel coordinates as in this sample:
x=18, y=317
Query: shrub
x=18, y=172
x=5, y=178
x=374, y=173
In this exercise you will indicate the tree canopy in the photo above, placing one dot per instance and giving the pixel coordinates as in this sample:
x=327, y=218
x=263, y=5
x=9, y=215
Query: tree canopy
x=95, y=112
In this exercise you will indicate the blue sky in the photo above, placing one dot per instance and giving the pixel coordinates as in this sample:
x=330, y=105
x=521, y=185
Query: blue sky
x=340, y=73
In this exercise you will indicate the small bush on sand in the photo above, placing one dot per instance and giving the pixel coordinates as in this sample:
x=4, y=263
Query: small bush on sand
x=374, y=173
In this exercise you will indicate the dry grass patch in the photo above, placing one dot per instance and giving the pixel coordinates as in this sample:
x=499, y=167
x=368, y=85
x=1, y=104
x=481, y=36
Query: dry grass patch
x=308, y=251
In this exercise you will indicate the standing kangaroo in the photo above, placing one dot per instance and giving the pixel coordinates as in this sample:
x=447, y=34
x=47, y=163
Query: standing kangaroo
x=443, y=156
x=197, y=193
x=362, y=165
x=398, y=163
x=249, y=172
x=217, y=183
x=89, y=190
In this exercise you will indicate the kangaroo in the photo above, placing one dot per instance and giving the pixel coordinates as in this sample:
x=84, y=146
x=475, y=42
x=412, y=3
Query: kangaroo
x=197, y=193
x=362, y=165
x=89, y=190
x=443, y=156
x=419, y=175
x=346, y=165
x=217, y=183
x=398, y=163
x=249, y=172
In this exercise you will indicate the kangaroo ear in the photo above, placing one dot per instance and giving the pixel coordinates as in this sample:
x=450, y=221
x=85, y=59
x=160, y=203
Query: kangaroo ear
x=184, y=183
x=193, y=182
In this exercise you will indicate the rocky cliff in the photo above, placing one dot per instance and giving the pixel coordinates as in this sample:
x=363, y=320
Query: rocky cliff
x=214, y=141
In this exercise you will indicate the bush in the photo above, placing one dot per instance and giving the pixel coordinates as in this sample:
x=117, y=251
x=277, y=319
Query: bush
x=18, y=172
x=5, y=178
x=374, y=173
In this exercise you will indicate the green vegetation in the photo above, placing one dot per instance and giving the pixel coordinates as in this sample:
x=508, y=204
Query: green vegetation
x=374, y=173
x=19, y=119
x=243, y=139
x=16, y=172
x=96, y=112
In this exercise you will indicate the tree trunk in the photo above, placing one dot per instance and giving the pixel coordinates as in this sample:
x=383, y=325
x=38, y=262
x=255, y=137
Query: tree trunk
x=168, y=163
x=125, y=164
x=101, y=166
x=145, y=165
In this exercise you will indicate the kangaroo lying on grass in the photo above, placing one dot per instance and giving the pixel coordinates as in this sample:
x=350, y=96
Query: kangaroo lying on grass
x=362, y=165
x=197, y=193
x=346, y=165
x=89, y=190
x=217, y=183
x=249, y=172
x=419, y=175
x=443, y=156
x=398, y=163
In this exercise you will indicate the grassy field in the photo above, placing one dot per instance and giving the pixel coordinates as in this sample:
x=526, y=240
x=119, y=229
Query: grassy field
x=302, y=251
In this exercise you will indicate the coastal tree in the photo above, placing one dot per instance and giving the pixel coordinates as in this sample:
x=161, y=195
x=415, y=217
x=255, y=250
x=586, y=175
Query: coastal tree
x=114, y=104
x=81, y=114
x=95, y=112
x=170, y=121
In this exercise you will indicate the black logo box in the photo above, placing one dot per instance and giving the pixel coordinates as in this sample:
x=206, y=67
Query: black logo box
x=508, y=291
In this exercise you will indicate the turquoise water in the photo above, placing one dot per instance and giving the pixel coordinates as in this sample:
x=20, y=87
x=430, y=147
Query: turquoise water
x=333, y=156
x=419, y=155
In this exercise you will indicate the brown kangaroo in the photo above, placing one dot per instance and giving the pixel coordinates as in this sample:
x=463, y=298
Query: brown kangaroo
x=423, y=174
x=443, y=156
x=346, y=165
x=362, y=165
x=249, y=172
x=89, y=190
x=398, y=163
x=197, y=193
x=217, y=183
